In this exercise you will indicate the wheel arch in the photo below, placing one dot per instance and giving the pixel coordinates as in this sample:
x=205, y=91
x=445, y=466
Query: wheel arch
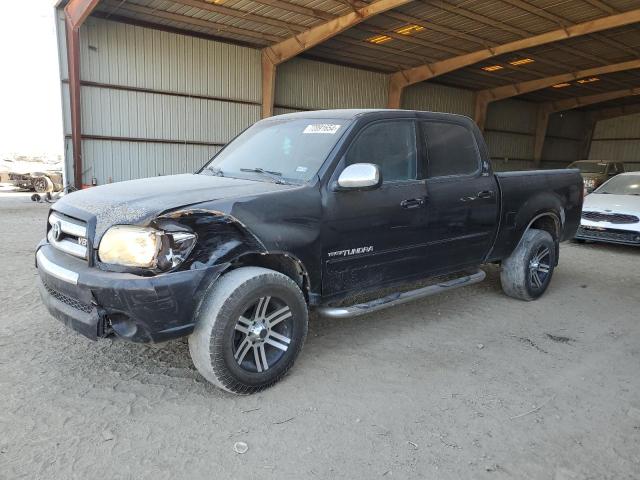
x=224, y=240
x=548, y=221
x=282, y=262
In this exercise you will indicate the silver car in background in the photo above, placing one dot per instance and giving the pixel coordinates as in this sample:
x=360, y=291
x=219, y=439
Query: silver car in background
x=612, y=212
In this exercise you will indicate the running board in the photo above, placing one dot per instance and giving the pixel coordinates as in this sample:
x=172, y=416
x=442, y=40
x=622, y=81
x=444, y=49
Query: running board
x=400, y=297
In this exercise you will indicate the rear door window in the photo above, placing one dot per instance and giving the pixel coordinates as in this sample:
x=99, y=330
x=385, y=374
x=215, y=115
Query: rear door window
x=451, y=150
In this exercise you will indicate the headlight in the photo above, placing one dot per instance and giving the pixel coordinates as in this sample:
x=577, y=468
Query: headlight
x=145, y=247
x=589, y=182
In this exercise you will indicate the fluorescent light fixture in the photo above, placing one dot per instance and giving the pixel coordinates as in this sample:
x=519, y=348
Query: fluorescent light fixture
x=589, y=80
x=521, y=61
x=561, y=85
x=409, y=29
x=492, y=68
x=378, y=39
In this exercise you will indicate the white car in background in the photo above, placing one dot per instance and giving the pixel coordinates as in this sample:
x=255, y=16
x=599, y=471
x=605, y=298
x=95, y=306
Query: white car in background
x=612, y=212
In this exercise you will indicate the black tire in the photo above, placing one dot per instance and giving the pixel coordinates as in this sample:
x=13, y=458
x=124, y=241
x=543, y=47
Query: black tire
x=231, y=350
x=42, y=184
x=526, y=273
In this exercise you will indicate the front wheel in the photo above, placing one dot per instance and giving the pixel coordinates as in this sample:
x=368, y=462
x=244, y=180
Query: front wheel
x=249, y=330
x=526, y=273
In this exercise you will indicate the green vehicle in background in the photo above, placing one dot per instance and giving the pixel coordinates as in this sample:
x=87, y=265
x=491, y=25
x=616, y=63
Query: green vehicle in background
x=596, y=172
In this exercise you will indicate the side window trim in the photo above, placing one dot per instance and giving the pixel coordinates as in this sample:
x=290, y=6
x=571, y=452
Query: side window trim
x=421, y=173
x=425, y=142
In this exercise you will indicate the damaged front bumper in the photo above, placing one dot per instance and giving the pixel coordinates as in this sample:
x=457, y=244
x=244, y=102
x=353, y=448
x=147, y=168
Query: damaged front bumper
x=97, y=303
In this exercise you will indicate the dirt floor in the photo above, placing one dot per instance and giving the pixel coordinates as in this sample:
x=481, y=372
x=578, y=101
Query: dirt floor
x=469, y=384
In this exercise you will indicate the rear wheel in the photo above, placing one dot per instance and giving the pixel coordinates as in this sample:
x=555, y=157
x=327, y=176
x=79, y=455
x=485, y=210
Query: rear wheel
x=249, y=330
x=526, y=273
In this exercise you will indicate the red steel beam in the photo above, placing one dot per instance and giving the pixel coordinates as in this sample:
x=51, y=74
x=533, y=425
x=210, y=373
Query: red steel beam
x=76, y=12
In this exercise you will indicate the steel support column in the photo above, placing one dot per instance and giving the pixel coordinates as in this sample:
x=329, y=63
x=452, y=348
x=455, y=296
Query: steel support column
x=76, y=12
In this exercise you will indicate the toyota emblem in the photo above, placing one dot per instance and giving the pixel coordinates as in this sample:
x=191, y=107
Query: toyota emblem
x=56, y=230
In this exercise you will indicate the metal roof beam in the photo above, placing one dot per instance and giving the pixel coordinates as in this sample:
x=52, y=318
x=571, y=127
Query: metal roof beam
x=77, y=11
x=402, y=79
x=295, y=45
x=484, y=97
x=274, y=55
x=521, y=33
x=577, y=102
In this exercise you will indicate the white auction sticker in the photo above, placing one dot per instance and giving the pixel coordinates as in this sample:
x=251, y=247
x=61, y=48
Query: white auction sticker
x=329, y=128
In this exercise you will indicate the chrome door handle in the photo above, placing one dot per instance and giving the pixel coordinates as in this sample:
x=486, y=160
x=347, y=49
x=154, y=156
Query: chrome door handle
x=412, y=203
x=479, y=195
x=485, y=194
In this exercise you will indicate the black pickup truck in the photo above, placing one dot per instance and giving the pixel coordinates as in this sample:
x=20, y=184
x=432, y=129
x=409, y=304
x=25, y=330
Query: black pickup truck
x=343, y=212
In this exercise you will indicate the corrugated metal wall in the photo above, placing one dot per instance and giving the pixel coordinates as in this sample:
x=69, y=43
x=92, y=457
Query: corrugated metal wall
x=438, y=98
x=509, y=132
x=618, y=139
x=307, y=85
x=154, y=116
x=565, y=139
x=121, y=54
x=115, y=161
x=157, y=103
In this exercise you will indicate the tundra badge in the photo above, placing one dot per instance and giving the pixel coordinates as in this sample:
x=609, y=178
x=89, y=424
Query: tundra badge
x=351, y=251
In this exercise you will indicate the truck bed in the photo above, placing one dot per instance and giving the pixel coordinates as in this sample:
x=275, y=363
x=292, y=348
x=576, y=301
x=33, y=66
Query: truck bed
x=526, y=194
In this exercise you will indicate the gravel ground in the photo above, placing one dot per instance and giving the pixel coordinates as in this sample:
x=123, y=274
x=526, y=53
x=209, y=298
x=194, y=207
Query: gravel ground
x=469, y=384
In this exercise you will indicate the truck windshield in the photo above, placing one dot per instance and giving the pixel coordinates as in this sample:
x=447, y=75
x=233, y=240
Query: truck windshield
x=589, y=167
x=621, y=185
x=287, y=150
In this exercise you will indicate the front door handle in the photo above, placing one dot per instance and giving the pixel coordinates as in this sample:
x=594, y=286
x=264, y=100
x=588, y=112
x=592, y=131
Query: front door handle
x=412, y=203
x=485, y=194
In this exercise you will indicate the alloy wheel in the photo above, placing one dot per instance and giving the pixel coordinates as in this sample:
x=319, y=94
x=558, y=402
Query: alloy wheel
x=262, y=334
x=539, y=267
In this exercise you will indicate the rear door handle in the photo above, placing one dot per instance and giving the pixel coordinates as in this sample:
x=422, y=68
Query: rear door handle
x=412, y=203
x=479, y=195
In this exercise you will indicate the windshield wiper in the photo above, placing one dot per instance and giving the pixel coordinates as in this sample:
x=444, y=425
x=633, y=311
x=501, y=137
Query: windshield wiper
x=214, y=171
x=276, y=176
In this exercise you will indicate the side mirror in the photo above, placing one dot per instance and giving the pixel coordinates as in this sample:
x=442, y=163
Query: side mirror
x=360, y=176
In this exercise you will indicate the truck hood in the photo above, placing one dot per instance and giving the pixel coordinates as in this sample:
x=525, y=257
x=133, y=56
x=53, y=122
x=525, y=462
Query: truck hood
x=139, y=201
x=598, y=202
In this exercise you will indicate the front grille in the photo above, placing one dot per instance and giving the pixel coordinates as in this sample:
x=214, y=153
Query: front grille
x=72, y=302
x=608, y=234
x=68, y=234
x=610, y=217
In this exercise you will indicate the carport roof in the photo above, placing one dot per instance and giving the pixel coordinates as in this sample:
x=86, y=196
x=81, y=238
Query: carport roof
x=419, y=32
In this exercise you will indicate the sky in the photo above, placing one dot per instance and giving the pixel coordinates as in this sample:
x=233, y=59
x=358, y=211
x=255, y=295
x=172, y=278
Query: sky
x=30, y=106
